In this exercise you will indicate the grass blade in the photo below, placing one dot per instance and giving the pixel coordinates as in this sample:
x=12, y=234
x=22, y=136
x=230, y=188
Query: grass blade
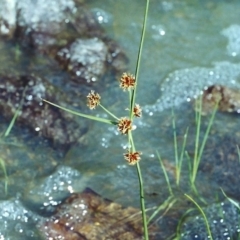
x=81, y=114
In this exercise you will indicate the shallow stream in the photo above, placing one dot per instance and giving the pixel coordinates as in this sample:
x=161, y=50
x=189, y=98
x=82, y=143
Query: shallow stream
x=189, y=45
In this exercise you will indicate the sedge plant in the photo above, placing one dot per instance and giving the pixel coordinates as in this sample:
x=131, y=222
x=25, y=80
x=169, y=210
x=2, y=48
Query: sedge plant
x=128, y=82
x=199, y=147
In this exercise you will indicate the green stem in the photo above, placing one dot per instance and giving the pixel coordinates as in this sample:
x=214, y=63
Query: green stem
x=196, y=155
x=139, y=56
x=175, y=148
x=111, y=114
x=142, y=202
x=82, y=115
x=165, y=174
x=141, y=190
x=203, y=214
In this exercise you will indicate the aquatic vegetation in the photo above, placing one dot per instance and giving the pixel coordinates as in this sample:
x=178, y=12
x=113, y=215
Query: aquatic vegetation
x=162, y=205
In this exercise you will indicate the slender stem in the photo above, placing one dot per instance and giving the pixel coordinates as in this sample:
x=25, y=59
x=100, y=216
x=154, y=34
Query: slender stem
x=181, y=156
x=203, y=214
x=15, y=114
x=139, y=56
x=142, y=202
x=83, y=115
x=175, y=148
x=108, y=112
x=165, y=174
x=196, y=155
x=132, y=103
x=207, y=131
x=141, y=190
x=3, y=167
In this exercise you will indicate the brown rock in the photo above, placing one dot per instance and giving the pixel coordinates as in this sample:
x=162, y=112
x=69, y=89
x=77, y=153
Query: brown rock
x=87, y=216
x=45, y=120
x=228, y=99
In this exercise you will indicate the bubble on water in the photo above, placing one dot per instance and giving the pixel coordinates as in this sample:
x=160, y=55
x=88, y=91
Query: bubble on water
x=221, y=228
x=185, y=84
x=233, y=35
x=16, y=221
x=102, y=16
x=49, y=193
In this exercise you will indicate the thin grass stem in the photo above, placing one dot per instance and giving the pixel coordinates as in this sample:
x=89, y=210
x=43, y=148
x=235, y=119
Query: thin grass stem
x=142, y=202
x=195, y=159
x=236, y=204
x=175, y=147
x=139, y=57
x=180, y=222
x=203, y=214
x=82, y=115
x=3, y=167
x=168, y=203
x=206, y=135
x=141, y=190
x=238, y=151
x=165, y=173
x=108, y=112
x=181, y=156
x=10, y=126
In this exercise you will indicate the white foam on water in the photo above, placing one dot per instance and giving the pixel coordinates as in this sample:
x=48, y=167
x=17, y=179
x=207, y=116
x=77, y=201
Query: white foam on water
x=233, y=35
x=186, y=84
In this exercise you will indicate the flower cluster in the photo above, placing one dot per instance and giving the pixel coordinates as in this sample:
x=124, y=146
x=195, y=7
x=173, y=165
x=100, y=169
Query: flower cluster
x=93, y=99
x=132, y=157
x=127, y=81
x=124, y=125
x=137, y=111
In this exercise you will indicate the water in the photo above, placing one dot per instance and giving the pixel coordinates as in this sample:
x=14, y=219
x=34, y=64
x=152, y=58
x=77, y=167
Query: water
x=189, y=45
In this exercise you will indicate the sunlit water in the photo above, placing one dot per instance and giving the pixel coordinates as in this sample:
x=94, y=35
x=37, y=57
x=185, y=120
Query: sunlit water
x=189, y=45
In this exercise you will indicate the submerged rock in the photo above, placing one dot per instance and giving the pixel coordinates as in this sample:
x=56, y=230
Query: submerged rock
x=223, y=220
x=87, y=216
x=68, y=32
x=25, y=92
x=85, y=59
x=227, y=99
x=47, y=193
x=220, y=163
x=16, y=222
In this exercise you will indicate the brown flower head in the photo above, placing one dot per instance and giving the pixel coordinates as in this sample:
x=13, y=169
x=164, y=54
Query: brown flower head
x=132, y=157
x=93, y=99
x=137, y=111
x=127, y=81
x=124, y=125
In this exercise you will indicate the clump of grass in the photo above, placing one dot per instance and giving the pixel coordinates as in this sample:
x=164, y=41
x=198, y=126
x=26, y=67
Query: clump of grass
x=199, y=148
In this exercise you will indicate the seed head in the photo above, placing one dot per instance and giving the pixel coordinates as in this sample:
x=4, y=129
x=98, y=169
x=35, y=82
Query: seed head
x=93, y=99
x=132, y=157
x=137, y=111
x=127, y=81
x=124, y=125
